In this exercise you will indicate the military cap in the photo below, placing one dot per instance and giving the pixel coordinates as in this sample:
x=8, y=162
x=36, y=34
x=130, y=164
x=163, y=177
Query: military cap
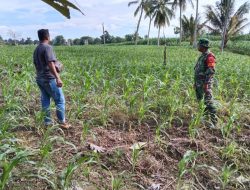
x=204, y=42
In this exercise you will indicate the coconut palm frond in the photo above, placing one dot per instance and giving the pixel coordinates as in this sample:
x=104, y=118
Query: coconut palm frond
x=63, y=6
x=132, y=3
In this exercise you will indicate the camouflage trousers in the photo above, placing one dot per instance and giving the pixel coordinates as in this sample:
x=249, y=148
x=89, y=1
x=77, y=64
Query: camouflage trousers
x=206, y=94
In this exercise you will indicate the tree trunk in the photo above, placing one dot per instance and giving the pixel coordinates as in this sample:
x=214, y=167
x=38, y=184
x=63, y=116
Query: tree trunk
x=159, y=36
x=137, y=28
x=196, y=24
x=103, y=31
x=165, y=56
x=149, y=28
x=224, y=33
x=191, y=42
x=225, y=41
x=180, y=22
x=223, y=36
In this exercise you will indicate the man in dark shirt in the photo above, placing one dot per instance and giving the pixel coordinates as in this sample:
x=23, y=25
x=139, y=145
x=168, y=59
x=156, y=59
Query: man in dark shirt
x=48, y=79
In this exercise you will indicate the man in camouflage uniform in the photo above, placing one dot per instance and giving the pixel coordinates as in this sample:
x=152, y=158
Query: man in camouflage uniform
x=204, y=72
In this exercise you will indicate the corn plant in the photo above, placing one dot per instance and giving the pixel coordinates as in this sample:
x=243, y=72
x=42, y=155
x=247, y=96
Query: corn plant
x=85, y=131
x=226, y=174
x=117, y=183
x=189, y=157
x=192, y=128
x=230, y=150
x=228, y=127
x=136, y=152
x=46, y=147
x=67, y=173
x=8, y=165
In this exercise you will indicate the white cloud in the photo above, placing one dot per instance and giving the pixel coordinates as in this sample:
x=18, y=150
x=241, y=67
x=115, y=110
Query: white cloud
x=4, y=31
x=13, y=5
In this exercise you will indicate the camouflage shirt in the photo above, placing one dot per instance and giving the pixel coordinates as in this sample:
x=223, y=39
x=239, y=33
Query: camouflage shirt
x=205, y=68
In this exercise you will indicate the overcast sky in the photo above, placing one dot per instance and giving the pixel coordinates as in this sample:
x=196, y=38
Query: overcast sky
x=25, y=17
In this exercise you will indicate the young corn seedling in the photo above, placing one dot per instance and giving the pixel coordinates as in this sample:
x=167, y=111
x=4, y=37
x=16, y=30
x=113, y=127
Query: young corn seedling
x=230, y=150
x=189, y=157
x=8, y=165
x=136, y=152
x=228, y=127
x=192, y=128
x=116, y=183
x=67, y=173
x=46, y=148
x=85, y=131
x=158, y=133
x=86, y=172
x=226, y=174
x=187, y=165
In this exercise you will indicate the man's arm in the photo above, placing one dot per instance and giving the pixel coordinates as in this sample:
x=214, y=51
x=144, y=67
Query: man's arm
x=50, y=58
x=210, y=63
x=54, y=72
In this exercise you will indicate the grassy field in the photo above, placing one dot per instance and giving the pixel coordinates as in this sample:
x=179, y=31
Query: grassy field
x=118, y=96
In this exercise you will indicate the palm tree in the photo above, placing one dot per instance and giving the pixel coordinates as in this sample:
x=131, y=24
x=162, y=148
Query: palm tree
x=182, y=5
x=149, y=11
x=62, y=6
x=189, y=27
x=140, y=8
x=225, y=20
x=196, y=24
x=162, y=14
x=227, y=5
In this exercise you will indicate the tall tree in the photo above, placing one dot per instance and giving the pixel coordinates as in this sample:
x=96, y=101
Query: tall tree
x=28, y=41
x=103, y=33
x=182, y=4
x=139, y=9
x=107, y=36
x=162, y=15
x=59, y=41
x=196, y=24
x=227, y=5
x=129, y=37
x=225, y=20
x=149, y=11
x=188, y=25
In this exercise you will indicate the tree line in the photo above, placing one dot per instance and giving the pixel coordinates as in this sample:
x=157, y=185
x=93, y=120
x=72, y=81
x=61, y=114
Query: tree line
x=128, y=39
x=223, y=18
x=84, y=40
x=22, y=41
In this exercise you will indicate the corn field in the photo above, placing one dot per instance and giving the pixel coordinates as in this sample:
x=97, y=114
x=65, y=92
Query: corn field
x=117, y=96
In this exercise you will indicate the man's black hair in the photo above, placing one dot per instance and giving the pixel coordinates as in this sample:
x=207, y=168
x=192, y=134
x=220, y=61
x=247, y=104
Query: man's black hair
x=43, y=34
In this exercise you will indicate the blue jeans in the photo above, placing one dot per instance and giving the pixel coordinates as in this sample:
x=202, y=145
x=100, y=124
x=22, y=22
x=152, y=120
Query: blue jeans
x=50, y=90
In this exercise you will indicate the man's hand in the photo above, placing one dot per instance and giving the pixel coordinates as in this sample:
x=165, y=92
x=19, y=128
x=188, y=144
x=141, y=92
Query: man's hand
x=54, y=72
x=59, y=82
